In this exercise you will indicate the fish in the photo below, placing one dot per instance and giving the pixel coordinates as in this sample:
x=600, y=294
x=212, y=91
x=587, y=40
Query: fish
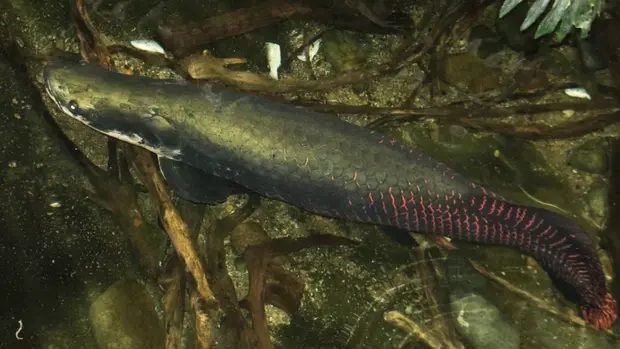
x=323, y=165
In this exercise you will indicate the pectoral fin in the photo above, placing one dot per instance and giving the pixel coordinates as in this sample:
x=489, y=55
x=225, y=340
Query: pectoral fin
x=400, y=236
x=193, y=184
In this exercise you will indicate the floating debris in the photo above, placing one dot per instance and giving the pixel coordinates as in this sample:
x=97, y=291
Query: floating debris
x=148, y=46
x=55, y=204
x=12, y=164
x=274, y=59
x=577, y=92
x=312, y=50
x=21, y=327
x=568, y=113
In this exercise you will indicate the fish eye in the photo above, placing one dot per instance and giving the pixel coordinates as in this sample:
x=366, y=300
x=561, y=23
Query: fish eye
x=73, y=106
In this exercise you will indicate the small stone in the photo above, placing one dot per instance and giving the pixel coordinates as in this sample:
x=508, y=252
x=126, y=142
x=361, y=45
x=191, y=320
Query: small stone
x=481, y=323
x=467, y=71
x=597, y=202
x=124, y=317
x=568, y=113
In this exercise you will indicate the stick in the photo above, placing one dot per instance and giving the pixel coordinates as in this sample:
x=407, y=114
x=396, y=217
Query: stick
x=173, y=224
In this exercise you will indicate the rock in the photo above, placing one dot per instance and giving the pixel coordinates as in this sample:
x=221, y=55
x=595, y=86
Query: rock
x=342, y=50
x=597, y=202
x=481, y=323
x=590, y=157
x=467, y=71
x=124, y=317
x=498, y=71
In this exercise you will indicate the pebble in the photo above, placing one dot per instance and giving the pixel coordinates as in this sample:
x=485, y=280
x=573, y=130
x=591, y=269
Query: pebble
x=481, y=323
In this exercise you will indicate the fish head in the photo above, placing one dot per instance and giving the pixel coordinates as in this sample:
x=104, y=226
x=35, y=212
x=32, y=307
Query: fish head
x=111, y=103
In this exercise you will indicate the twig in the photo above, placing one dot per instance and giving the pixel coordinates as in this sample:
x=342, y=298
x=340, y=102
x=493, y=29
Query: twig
x=426, y=272
x=185, y=39
x=303, y=49
x=234, y=324
x=258, y=258
x=200, y=66
x=457, y=114
x=399, y=320
x=283, y=289
x=537, y=131
x=92, y=42
x=173, y=224
x=204, y=332
x=204, y=67
x=174, y=306
x=257, y=263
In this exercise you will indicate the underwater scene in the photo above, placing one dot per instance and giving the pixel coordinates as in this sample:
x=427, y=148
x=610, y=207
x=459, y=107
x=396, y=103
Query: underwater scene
x=309, y=174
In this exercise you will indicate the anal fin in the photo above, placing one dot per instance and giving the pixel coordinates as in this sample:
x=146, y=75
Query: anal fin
x=193, y=184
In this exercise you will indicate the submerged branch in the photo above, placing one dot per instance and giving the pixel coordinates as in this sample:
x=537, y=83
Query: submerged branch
x=399, y=320
x=173, y=224
x=259, y=257
x=537, y=131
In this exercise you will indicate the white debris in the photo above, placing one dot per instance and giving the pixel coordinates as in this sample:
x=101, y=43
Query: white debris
x=21, y=326
x=568, y=113
x=312, y=50
x=577, y=92
x=55, y=204
x=460, y=319
x=148, y=46
x=274, y=59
